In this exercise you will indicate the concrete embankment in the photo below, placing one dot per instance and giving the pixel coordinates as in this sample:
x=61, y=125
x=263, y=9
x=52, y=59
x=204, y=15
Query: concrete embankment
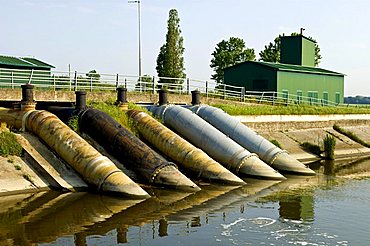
x=292, y=130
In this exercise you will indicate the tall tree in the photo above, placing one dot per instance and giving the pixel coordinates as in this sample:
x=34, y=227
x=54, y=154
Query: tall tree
x=229, y=53
x=170, y=60
x=271, y=53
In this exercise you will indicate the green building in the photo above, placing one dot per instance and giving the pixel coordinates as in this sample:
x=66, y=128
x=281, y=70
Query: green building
x=23, y=70
x=295, y=78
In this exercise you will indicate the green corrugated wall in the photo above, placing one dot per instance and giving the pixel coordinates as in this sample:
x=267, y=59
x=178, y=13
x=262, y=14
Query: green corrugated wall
x=292, y=82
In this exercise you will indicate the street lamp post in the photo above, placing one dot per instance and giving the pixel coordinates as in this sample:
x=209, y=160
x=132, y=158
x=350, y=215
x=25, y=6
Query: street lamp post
x=139, y=20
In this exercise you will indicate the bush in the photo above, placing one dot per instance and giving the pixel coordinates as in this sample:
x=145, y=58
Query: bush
x=276, y=143
x=9, y=144
x=313, y=148
x=329, y=147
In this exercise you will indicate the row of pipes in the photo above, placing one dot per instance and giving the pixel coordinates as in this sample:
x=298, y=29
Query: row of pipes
x=203, y=141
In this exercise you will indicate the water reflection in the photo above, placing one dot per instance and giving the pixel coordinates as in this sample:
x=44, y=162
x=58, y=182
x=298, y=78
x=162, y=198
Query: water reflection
x=44, y=217
x=48, y=216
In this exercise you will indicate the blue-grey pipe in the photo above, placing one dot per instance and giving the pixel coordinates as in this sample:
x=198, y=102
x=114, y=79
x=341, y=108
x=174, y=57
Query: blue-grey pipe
x=214, y=143
x=243, y=135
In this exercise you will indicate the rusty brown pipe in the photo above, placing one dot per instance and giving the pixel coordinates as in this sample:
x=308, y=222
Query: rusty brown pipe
x=181, y=151
x=130, y=150
x=96, y=169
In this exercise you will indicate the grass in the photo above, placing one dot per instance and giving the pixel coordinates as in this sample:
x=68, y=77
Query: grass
x=9, y=144
x=261, y=109
x=276, y=143
x=120, y=116
x=351, y=135
x=313, y=148
x=329, y=147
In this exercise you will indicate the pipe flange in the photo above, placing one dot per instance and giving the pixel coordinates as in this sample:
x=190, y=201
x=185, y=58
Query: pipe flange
x=24, y=118
x=273, y=159
x=242, y=162
x=159, y=169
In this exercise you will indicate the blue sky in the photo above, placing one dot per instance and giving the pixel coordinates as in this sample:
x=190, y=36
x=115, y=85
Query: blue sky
x=103, y=35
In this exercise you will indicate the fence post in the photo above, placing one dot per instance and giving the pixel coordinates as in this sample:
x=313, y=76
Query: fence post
x=54, y=83
x=75, y=82
x=12, y=80
x=224, y=97
x=117, y=82
x=188, y=85
x=153, y=84
x=273, y=98
x=207, y=89
x=242, y=94
x=91, y=84
x=125, y=83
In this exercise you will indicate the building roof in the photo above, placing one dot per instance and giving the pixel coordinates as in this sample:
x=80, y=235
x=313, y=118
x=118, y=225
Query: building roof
x=23, y=62
x=293, y=68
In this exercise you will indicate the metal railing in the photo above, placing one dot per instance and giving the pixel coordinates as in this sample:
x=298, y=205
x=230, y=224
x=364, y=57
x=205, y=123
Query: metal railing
x=13, y=78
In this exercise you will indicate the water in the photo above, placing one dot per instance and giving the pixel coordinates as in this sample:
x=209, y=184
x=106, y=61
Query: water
x=331, y=208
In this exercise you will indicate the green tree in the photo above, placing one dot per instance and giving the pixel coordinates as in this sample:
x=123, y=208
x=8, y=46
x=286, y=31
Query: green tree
x=229, y=53
x=170, y=60
x=271, y=53
x=93, y=74
x=144, y=83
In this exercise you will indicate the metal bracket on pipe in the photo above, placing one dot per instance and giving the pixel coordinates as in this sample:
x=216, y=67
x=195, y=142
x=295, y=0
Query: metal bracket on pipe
x=24, y=118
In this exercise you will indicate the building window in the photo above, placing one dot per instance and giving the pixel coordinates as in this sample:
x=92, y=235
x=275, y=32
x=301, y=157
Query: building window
x=337, y=97
x=299, y=97
x=313, y=97
x=325, y=98
x=260, y=84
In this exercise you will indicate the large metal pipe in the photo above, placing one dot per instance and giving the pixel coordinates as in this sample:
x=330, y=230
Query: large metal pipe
x=181, y=151
x=130, y=150
x=96, y=169
x=216, y=144
x=240, y=133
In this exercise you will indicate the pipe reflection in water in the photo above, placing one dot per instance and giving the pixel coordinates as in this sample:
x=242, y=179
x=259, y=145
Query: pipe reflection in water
x=66, y=214
x=130, y=150
x=181, y=151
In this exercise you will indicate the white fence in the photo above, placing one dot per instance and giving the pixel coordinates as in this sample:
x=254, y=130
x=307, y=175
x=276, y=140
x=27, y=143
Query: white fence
x=12, y=78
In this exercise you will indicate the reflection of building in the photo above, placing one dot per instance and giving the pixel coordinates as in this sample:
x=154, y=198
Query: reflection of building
x=295, y=77
x=297, y=208
x=23, y=70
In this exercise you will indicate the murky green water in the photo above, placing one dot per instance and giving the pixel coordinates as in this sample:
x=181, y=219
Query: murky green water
x=332, y=208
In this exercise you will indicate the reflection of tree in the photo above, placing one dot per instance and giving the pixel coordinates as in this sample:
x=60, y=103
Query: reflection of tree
x=297, y=208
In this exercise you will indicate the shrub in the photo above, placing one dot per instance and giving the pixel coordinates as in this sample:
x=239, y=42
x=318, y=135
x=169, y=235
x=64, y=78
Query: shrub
x=329, y=147
x=276, y=143
x=9, y=144
x=313, y=148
